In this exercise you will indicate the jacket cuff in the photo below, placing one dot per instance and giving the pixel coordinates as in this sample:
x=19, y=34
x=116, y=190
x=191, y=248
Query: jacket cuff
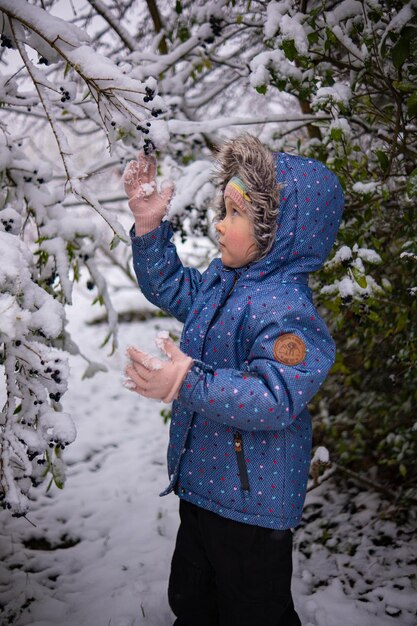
x=162, y=232
x=194, y=376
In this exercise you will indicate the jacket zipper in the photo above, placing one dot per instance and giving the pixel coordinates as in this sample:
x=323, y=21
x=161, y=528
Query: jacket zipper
x=240, y=457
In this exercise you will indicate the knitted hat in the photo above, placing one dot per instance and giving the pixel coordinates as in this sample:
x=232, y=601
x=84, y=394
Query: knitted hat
x=237, y=191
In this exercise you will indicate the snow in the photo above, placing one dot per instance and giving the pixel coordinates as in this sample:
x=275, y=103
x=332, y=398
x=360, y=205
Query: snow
x=47, y=26
x=274, y=13
x=369, y=255
x=100, y=552
x=401, y=18
x=160, y=339
x=321, y=455
x=338, y=93
x=364, y=188
x=291, y=29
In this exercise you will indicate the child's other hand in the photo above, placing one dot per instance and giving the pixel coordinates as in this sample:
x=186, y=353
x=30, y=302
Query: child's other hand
x=147, y=204
x=156, y=378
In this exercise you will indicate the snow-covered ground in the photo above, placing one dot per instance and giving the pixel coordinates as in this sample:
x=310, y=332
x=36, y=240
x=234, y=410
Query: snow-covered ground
x=98, y=552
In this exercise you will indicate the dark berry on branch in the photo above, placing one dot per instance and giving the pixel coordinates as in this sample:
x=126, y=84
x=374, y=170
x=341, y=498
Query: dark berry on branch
x=6, y=42
x=146, y=99
x=41, y=181
x=90, y=285
x=148, y=146
x=61, y=89
x=43, y=61
x=18, y=343
x=215, y=24
x=113, y=123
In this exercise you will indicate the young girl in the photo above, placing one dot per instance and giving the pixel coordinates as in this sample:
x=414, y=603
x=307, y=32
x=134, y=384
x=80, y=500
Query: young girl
x=253, y=353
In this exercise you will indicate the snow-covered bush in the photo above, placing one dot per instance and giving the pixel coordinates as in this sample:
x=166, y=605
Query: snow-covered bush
x=55, y=83
x=81, y=92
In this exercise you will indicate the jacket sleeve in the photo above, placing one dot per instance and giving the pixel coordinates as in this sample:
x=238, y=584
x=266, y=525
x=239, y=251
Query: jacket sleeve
x=266, y=395
x=161, y=276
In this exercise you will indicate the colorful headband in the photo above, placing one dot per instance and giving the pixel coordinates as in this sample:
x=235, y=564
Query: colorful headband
x=237, y=191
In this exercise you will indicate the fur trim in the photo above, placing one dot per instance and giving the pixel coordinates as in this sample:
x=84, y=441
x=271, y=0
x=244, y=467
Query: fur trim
x=246, y=157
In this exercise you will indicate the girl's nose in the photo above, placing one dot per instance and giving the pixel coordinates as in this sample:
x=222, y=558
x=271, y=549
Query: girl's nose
x=220, y=226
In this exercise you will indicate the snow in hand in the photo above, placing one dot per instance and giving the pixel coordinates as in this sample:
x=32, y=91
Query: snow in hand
x=100, y=552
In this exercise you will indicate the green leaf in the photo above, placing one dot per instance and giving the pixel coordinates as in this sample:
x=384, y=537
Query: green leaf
x=114, y=242
x=183, y=33
x=178, y=7
x=382, y=159
x=359, y=278
x=403, y=470
x=412, y=105
x=405, y=86
x=336, y=134
x=106, y=340
x=374, y=317
x=289, y=49
x=262, y=89
x=412, y=184
x=400, y=52
x=313, y=37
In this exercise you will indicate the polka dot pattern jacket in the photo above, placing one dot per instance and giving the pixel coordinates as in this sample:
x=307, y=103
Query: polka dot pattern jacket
x=240, y=434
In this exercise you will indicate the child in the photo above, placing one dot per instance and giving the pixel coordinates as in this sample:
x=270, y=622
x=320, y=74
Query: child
x=254, y=351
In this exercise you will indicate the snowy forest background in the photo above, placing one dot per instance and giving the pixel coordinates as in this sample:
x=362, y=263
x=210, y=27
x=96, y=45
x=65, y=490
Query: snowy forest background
x=84, y=85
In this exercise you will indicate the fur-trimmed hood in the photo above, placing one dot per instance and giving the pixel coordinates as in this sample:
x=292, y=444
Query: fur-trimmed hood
x=246, y=157
x=297, y=206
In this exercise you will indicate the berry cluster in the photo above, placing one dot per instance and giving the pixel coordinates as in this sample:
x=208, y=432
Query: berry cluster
x=43, y=61
x=143, y=129
x=6, y=42
x=65, y=94
x=28, y=179
x=215, y=23
x=150, y=94
x=156, y=112
x=148, y=146
x=55, y=443
x=8, y=224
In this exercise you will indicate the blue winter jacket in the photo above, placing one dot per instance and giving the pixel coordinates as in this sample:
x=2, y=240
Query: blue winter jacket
x=240, y=434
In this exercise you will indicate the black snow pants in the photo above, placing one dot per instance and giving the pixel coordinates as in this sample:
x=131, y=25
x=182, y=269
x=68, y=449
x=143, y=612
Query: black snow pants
x=226, y=573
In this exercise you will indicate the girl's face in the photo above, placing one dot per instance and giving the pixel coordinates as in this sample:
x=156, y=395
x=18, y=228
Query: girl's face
x=236, y=237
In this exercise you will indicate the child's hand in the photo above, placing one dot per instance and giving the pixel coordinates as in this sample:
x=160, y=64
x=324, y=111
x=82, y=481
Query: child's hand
x=147, y=204
x=155, y=378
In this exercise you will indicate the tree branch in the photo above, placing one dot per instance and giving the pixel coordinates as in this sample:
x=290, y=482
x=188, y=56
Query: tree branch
x=158, y=25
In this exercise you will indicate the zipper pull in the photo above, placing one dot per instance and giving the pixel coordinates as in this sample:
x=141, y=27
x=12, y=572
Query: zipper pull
x=241, y=464
x=238, y=442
